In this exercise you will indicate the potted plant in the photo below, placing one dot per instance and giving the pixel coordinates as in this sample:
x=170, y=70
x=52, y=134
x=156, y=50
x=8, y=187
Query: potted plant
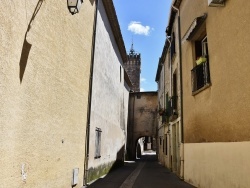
x=201, y=60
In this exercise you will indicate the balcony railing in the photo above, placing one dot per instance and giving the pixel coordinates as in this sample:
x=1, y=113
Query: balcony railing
x=200, y=76
x=172, y=107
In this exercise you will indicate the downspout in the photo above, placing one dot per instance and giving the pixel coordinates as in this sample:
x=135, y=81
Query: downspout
x=170, y=94
x=164, y=104
x=181, y=85
x=170, y=63
x=86, y=159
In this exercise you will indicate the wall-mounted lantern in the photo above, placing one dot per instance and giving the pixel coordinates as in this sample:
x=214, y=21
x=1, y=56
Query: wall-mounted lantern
x=74, y=6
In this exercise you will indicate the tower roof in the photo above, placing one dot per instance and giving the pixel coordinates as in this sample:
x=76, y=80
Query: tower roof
x=132, y=51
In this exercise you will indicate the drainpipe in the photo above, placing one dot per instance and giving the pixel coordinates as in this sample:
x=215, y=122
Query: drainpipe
x=86, y=160
x=170, y=94
x=170, y=63
x=164, y=104
x=181, y=85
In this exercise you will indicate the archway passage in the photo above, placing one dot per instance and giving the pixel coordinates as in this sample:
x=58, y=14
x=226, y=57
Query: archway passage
x=145, y=146
x=142, y=123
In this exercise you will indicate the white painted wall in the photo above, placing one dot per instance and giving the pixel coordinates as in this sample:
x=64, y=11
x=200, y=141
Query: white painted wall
x=109, y=95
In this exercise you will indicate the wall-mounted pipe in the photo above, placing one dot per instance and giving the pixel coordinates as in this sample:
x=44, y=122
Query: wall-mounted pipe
x=86, y=159
x=181, y=83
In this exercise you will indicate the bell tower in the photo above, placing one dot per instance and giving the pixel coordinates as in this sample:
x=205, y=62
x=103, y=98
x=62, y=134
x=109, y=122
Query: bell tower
x=133, y=68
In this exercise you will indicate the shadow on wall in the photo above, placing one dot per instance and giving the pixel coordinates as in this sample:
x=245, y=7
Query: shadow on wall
x=92, y=1
x=27, y=46
x=103, y=169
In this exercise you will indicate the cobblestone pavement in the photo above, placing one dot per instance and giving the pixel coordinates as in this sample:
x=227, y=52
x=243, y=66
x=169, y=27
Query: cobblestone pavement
x=144, y=173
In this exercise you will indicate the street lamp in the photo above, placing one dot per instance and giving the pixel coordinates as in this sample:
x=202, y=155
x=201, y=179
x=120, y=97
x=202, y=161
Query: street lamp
x=74, y=6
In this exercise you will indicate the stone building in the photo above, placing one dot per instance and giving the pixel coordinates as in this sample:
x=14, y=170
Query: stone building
x=133, y=68
x=168, y=77
x=142, y=120
x=44, y=84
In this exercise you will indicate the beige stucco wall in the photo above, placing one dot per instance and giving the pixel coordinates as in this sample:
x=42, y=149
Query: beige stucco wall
x=217, y=165
x=43, y=118
x=220, y=112
x=216, y=120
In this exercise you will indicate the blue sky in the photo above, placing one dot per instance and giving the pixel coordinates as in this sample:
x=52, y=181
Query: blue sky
x=145, y=21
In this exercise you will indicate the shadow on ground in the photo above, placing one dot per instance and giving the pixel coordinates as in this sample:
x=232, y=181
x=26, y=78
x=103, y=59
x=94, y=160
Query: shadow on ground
x=152, y=175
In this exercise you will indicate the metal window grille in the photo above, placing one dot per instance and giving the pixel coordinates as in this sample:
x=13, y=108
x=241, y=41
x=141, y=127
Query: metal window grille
x=200, y=76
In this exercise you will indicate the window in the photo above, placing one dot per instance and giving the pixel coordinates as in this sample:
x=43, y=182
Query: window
x=120, y=74
x=98, y=132
x=163, y=145
x=172, y=46
x=163, y=118
x=174, y=97
x=166, y=102
x=200, y=73
x=166, y=150
x=201, y=49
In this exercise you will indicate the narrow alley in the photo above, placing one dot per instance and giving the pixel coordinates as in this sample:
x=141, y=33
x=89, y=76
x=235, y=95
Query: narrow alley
x=125, y=94
x=142, y=173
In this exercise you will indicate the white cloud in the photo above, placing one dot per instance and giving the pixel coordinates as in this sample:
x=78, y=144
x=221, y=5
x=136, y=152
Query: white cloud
x=137, y=28
x=141, y=89
x=143, y=80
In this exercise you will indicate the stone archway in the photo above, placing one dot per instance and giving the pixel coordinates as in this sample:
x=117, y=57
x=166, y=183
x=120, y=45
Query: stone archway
x=142, y=120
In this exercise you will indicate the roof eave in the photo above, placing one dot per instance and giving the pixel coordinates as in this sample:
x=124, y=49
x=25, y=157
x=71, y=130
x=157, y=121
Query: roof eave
x=176, y=3
x=112, y=17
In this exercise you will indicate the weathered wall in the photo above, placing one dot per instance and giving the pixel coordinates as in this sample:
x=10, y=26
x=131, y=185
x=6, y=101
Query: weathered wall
x=142, y=118
x=160, y=123
x=133, y=68
x=126, y=109
x=170, y=154
x=44, y=76
x=109, y=98
x=211, y=165
x=168, y=86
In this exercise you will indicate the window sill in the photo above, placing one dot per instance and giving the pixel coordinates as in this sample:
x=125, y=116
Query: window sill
x=201, y=89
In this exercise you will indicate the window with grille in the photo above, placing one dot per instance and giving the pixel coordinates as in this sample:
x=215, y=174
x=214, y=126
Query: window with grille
x=98, y=132
x=200, y=73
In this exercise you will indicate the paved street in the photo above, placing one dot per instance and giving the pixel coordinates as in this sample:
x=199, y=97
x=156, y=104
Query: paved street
x=144, y=173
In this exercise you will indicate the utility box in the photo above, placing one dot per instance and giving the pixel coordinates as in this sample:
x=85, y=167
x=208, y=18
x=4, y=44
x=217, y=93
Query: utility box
x=75, y=176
